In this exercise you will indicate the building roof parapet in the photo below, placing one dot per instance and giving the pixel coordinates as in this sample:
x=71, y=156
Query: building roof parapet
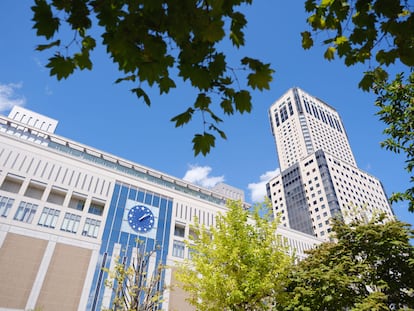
x=78, y=150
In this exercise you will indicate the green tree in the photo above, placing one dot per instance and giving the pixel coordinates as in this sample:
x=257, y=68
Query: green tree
x=381, y=34
x=239, y=264
x=396, y=109
x=369, y=267
x=134, y=288
x=156, y=43
x=376, y=31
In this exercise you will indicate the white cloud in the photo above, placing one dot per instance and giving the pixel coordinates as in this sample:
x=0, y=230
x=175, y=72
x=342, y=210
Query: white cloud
x=48, y=90
x=39, y=63
x=199, y=175
x=258, y=190
x=9, y=96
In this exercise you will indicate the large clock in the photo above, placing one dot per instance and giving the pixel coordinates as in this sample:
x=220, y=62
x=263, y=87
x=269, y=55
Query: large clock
x=141, y=219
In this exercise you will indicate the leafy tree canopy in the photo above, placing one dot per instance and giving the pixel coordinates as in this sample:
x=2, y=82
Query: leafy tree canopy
x=380, y=33
x=156, y=43
x=396, y=109
x=239, y=264
x=377, y=31
x=369, y=267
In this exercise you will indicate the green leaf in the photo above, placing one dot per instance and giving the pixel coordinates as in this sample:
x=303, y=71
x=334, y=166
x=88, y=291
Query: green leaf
x=83, y=61
x=261, y=78
x=214, y=116
x=165, y=84
x=340, y=40
x=366, y=82
x=242, y=100
x=202, y=102
x=227, y=106
x=330, y=53
x=61, y=66
x=42, y=47
x=386, y=57
x=45, y=24
x=238, y=22
x=141, y=93
x=183, y=118
x=326, y=3
x=88, y=43
x=215, y=128
x=307, y=41
x=214, y=31
x=262, y=73
x=79, y=15
x=217, y=66
x=203, y=143
x=127, y=78
x=380, y=75
x=62, y=4
x=310, y=5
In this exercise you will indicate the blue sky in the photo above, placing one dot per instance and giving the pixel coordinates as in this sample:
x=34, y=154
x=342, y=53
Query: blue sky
x=93, y=110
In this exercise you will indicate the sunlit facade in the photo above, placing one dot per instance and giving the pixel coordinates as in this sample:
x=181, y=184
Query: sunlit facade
x=319, y=177
x=68, y=210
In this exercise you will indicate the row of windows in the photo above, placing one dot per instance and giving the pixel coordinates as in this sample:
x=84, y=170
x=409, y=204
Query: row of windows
x=188, y=213
x=300, y=246
x=320, y=114
x=344, y=184
x=49, y=217
x=55, y=173
x=283, y=112
x=37, y=190
x=363, y=176
x=329, y=140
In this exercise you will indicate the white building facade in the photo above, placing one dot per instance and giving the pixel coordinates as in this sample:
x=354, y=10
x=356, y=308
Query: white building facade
x=319, y=177
x=68, y=210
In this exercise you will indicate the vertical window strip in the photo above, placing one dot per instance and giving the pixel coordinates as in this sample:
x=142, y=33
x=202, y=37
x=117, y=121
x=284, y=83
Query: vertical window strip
x=178, y=249
x=70, y=223
x=49, y=217
x=5, y=205
x=91, y=228
x=25, y=212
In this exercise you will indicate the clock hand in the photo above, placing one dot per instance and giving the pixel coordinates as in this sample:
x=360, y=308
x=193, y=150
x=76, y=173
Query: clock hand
x=143, y=217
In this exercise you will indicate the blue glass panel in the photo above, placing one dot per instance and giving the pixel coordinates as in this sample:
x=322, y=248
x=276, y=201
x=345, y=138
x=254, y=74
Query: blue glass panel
x=112, y=208
x=156, y=201
x=141, y=195
x=124, y=240
x=150, y=245
x=148, y=198
x=163, y=204
x=132, y=194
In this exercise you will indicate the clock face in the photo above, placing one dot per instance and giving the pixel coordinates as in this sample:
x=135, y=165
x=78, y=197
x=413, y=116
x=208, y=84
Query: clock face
x=141, y=219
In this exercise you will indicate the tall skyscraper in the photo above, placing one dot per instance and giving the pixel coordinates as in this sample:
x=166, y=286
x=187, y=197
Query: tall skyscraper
x=319, y=177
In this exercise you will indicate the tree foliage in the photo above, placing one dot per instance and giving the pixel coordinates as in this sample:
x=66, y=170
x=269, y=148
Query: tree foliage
x=156, y=43
x=396, y=109
x=135, y=289
x=380, y=33
x=369, y=267
x=239, y=264
x=361, y=30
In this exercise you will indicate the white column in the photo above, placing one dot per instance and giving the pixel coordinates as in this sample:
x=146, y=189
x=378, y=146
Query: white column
x=3, y=232
x=88, y=279
x=41, y=273
x=106, y=300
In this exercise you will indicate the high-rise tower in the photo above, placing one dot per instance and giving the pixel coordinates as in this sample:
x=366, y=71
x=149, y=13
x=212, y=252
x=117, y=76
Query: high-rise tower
x=319, y=176
x=302, y=124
